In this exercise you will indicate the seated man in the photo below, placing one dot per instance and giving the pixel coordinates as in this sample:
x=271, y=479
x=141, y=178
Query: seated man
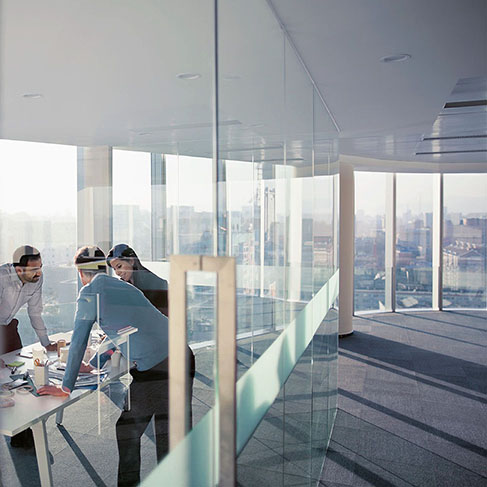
x=120, y=305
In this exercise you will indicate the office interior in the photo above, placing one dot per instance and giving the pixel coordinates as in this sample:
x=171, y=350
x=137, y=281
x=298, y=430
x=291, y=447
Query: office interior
x=338, y=152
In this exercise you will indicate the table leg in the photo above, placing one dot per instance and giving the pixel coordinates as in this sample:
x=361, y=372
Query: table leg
x=59, y=416
x=42, y=453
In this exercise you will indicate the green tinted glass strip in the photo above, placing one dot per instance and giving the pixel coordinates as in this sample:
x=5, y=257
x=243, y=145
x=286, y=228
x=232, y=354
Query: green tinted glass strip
x=258, y=388
x=192, y=461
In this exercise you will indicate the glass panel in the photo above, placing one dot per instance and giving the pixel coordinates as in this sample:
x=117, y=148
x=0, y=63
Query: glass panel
x=370, y=272
x=465, y=240
x=132, y=200
x=190, y=205
x=280, y=226
x=251, y=142
x=414, y=220
x=33, y=216
x=298, y=129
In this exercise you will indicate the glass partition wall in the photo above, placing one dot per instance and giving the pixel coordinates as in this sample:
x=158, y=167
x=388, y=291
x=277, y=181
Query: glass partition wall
x=224, y=147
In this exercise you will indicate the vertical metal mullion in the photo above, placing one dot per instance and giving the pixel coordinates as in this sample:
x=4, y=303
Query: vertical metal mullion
x=216, y=152
x=390, y=230
x=437, y=243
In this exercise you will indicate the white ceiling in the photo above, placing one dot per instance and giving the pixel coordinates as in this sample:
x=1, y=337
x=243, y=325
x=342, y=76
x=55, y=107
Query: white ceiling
x=107, y=73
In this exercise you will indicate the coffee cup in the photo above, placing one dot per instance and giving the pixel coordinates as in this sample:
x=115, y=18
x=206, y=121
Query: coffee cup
x=60, y=344
x=63, y=356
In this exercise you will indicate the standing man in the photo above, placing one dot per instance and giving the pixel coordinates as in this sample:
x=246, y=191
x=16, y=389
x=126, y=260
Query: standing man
x=21, y=283
x=119, y=305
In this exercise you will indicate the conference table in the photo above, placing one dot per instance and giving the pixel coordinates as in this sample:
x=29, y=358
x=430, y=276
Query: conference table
x=31, y=411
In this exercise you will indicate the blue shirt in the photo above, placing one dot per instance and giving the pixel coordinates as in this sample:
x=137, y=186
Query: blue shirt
x=120, y=305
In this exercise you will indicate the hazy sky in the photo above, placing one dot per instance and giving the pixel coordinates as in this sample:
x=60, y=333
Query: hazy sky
x=463, y=193
x=39, y=179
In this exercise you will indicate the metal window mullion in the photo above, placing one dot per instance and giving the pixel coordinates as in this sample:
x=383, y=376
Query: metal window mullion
x=437, y=243
x=390, y=230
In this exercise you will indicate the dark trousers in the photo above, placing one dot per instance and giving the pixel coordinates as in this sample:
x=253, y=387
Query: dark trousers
x=149, y=396
x=9, y=337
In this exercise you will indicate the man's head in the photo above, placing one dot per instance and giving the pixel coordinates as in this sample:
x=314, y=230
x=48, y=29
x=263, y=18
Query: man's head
x=90, y=261
x=28, y=263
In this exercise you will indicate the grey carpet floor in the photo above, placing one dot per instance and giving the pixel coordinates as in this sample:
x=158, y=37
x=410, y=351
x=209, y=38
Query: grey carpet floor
x=412, y=402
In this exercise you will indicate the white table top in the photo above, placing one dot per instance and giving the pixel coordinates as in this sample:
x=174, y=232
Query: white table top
x=29, y=409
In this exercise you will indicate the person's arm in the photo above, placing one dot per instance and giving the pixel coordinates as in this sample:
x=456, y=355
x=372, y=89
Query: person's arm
x=34, y=308
x=83, y=322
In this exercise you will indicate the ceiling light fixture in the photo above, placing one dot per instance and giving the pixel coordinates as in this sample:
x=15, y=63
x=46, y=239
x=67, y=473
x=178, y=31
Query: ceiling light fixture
x=189, y=76
x=395, y=58
x=33, y=95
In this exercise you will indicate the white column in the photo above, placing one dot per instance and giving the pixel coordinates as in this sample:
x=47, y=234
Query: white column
x=390, y=250
x=295, y=239
x=95, y=197
x=158, y=207
x=347, y=245
x=437, y=242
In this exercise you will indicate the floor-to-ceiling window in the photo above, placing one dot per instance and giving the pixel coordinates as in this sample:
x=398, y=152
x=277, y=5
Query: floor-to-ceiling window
x=132, y=200
x=414, y=220
x=465, y=241
x=369, y=273
x=38, y=208
x=462, y=278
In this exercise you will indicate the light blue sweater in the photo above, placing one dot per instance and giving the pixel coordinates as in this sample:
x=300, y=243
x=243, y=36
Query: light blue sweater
x=120, y=305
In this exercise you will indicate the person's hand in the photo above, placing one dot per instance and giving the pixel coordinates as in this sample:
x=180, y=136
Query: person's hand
x=52, y=391
x=52, y=347
x=84, y=368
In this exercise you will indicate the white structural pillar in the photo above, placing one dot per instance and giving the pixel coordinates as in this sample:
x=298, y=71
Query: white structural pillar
x=347, y=217
x=95, y=197
x=158, y=206
x=295, y=239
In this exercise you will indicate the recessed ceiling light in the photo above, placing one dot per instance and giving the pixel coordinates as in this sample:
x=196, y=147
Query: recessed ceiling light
x=395, y=58
x=188, y=76
x=144, y=133
x=33, y=95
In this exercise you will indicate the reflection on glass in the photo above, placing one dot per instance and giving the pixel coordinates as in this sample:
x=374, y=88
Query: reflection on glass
x=465, y=240
x=414, y=222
